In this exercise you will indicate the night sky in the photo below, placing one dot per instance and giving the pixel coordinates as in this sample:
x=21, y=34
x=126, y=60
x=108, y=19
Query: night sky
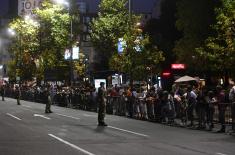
x=3, y=7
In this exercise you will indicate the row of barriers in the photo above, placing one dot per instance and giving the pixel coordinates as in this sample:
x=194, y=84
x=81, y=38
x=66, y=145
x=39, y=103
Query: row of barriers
x=173, y=113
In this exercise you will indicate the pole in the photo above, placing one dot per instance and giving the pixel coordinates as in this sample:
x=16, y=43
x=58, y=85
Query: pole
x=129, y=26
x=130, y=8
x=71, y=47
x=151, y=76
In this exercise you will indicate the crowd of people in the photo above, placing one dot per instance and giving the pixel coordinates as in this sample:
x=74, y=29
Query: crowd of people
x=187, y=103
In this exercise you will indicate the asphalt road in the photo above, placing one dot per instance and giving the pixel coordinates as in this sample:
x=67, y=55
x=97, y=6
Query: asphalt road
x=26, y=130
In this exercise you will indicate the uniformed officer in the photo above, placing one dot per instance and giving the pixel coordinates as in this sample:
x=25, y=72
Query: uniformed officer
x=47, y=99
x=18, y=94
x=101, y=98
x=2, y=92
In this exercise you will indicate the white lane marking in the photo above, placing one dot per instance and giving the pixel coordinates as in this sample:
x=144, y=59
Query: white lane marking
x=87, y=115
x=135, y=133
x=13, y=116
x=26, y=106
x=220, y=153
x=37, y=115
x=72, y=145
x=67, y=116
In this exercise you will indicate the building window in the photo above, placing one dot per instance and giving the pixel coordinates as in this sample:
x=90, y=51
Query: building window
x=85, y=28
x=86, y=37
x=88, y=19
x=82, y=7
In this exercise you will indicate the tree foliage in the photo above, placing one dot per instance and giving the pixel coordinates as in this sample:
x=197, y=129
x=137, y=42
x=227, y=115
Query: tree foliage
x=41, y=40
x=110, y=25
x=114, y=22
x=162, y=31
x=24, y=47
x=138, y=55
x=194, y=19
x=219, y=49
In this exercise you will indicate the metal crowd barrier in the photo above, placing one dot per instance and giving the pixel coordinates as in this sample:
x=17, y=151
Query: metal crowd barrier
x=139, y=108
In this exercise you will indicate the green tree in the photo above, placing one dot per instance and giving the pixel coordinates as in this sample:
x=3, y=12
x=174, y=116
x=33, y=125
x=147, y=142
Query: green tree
x=139, y=55
x=53, y=36
x=163, y=32
x=110, y=25
x=114, y=22
x=194, y=19
x=55, y=33
x=219, y=49
x=23, y=48
x=43, y=43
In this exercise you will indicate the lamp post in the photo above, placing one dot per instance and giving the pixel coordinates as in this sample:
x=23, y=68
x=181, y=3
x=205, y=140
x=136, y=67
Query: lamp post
x=130, y=8
x=12, y=32
x=66, y=3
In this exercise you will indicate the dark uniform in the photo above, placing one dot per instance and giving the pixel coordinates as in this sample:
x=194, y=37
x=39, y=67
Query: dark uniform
x=18, y=94
x=2, y=92
x=221, y=107
x=232, y=100
x=47, y=100
x=101, y=98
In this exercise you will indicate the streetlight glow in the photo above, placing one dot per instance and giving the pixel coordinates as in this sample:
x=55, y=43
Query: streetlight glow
x=27, y=17
x=62, y=2
x=11, y=32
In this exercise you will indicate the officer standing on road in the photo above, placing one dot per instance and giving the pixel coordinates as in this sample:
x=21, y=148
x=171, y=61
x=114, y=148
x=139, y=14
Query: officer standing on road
x=232, y=100
x=17, y=94
x=101, y=98
x=47, y=99
x=2, y=90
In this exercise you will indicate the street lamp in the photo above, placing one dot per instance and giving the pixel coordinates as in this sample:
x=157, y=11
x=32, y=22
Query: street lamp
x=66, y=3
x=13, y=33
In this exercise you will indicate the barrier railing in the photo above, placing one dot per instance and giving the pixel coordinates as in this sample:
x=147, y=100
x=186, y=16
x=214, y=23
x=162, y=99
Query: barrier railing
x=141, y=108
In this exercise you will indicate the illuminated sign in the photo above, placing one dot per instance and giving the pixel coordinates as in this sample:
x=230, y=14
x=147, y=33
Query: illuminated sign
x=25, y=7
x=97, y=83
x=121, y=45
x=75, y=54
x=166, y=73
x=178, y=66
x=67, y=54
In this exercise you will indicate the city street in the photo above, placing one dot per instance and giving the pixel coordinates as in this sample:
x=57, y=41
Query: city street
x=26, y=130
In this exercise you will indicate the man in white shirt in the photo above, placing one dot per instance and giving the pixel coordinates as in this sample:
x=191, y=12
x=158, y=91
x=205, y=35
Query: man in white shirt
x=192, y=99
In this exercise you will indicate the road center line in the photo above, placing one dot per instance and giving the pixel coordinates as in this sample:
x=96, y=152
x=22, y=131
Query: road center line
x=13, y=116
x=37, y=115
x=220, y=153
x=135, y=133
x=26, y=106
x=67, y=116
x=70, y=144
x=87, y=115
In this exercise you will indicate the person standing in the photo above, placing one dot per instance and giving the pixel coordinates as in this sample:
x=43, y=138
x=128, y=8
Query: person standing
x=2, y=90
x=47, y=99
x=101, y=98
x=192, y=100
x=232, y=100
x=221, y=107
x=211, y=101
x=17, y=94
